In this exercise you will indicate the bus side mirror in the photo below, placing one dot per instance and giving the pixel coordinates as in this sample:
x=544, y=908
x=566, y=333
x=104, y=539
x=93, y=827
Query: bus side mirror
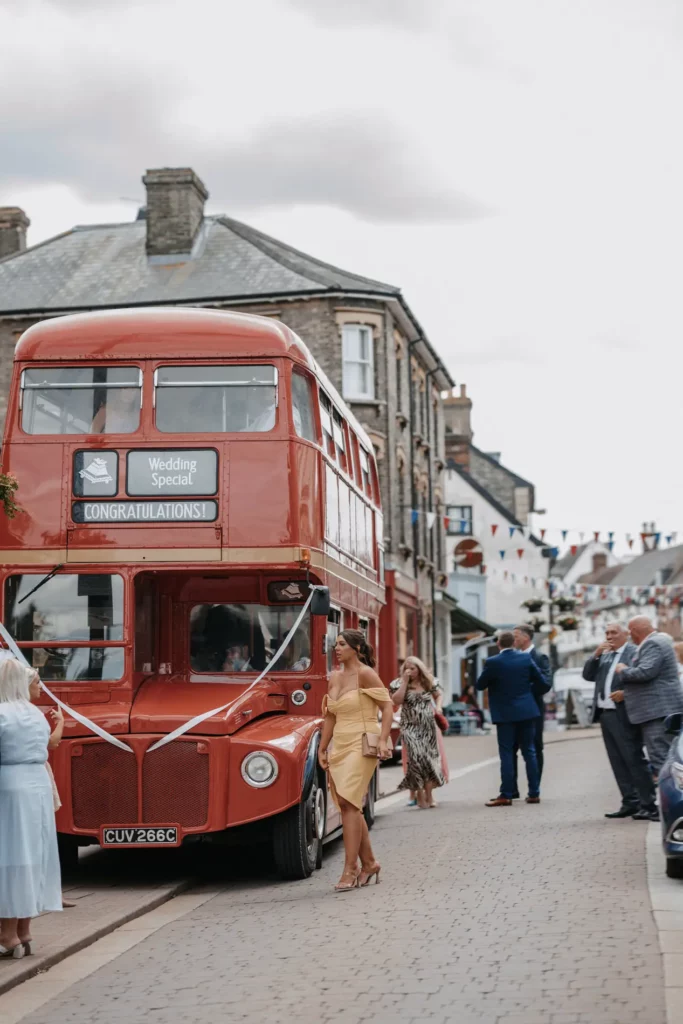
x=673, y=724
x=320, y=602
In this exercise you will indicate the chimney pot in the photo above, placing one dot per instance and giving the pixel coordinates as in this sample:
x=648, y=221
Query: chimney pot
x=174, y=210
x=13, y=225
x=463, y=390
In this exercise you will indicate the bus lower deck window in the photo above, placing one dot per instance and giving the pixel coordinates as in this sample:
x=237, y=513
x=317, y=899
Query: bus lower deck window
x=215, y=399
x=236, y=638
x=81, y=400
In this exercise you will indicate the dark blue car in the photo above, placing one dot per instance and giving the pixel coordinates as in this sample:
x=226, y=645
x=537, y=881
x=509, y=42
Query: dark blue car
x=671, y=799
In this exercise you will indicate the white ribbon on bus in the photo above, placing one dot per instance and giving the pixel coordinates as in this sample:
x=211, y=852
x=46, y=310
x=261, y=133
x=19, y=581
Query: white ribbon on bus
x=16, y=651
x=182, y=729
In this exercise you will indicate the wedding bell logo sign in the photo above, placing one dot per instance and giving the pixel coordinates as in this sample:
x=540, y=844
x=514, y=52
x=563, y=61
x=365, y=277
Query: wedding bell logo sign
x=95, y=474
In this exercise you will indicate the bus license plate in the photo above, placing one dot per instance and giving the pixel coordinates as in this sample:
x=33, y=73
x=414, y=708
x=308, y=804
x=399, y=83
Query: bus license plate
x=160, y=835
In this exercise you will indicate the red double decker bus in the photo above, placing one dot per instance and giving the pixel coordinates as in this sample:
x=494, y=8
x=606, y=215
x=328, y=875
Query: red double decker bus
x=187, y=478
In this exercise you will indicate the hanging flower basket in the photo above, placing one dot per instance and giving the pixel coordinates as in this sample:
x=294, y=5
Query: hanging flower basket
x=568, y=623
x=565, y=604
x=8, y=488
x=536, y=623
x=532, y=604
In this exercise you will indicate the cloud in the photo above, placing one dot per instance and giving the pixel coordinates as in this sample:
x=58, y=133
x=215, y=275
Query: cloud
x=355, y=161
x=97, y=128
x=502, y=350
x=410, y=14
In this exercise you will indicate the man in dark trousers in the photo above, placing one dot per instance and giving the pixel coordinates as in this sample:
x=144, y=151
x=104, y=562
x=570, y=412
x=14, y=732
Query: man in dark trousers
x=510, y=677
x=524, y=641
x=623, y=740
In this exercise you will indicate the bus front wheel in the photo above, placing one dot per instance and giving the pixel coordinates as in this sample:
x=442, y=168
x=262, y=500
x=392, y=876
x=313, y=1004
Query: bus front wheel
x=298, y=835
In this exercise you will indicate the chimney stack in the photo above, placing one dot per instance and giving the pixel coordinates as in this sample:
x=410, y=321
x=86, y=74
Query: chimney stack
x=174, y=210
x=13, y=224
x=457, y=411
x=599, y=561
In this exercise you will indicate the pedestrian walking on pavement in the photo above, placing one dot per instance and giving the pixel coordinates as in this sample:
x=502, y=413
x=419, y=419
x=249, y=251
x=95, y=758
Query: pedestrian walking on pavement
x=510, y=677
x=351, y=726
x=623, y=740
x=415, y=694
x=651, y=687
x=524, y=641
x=29, y=861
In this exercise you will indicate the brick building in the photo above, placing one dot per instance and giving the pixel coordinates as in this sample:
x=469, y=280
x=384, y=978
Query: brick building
x=361, y=331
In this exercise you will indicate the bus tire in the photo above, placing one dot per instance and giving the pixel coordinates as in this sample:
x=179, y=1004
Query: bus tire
x=369, y=806
x=298, y=835
x=67, y=847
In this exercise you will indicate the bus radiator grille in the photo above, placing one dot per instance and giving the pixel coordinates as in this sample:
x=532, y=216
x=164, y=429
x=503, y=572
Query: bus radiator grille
x=103, y=786
x=175, y=784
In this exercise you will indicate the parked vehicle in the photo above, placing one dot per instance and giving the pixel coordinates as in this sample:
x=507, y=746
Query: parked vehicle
x=461, y=721
x=182, y=474
x=671, y=799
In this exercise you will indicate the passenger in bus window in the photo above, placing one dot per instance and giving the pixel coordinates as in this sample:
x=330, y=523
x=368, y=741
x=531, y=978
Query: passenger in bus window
x=119, y=412
x=350, y=709
x=237, y=660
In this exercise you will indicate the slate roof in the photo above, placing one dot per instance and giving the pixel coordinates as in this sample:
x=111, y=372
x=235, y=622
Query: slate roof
x=642, y=572
x=564, y=564
x=520, y=481
x=106, y=265
x=486, y=494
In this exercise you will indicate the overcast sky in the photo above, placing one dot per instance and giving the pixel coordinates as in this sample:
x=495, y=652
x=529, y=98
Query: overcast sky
x=516, y=167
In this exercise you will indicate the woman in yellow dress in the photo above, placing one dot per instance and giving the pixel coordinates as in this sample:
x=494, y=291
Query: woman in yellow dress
x=350, y=709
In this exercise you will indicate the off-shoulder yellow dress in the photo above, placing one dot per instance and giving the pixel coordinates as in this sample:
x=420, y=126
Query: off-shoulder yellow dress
x=355, y=713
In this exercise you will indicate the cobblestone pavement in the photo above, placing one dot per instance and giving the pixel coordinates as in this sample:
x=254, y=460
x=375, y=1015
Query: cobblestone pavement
x=522, y=915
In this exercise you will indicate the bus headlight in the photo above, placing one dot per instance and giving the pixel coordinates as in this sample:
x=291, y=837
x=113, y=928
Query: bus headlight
x=259, y=769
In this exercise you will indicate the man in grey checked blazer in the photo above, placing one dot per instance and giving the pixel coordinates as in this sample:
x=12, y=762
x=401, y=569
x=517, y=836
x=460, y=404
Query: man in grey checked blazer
x=651, y=687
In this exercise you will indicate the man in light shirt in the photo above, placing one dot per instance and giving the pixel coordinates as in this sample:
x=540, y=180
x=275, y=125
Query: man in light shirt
x=623, y=740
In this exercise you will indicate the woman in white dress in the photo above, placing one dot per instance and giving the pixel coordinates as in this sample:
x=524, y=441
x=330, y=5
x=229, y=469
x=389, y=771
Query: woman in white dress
x=30, y=881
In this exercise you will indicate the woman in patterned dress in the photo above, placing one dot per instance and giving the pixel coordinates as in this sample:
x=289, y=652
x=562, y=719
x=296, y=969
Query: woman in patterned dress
x=414, y=693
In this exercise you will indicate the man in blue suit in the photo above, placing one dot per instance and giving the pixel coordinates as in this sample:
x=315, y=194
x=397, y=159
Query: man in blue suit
x=511, y=678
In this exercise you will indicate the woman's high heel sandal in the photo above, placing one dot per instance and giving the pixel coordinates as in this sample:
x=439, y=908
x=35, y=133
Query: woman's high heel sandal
x=342, y=886
x=12, y=952
x=368, y=875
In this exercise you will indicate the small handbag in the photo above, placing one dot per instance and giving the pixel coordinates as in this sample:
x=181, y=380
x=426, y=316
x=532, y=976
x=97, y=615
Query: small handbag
x=441, y=721
x=369, y=740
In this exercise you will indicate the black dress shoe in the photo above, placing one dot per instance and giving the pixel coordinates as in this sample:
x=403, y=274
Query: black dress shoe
x=623, y=812
x=646, y=815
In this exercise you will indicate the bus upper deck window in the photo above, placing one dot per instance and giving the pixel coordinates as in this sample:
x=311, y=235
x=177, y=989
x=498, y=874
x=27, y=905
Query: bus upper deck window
x=326, y=420
x=365, y=470
x=81, y=400
x=215, y=399
x=302, y=407
x=338, y=432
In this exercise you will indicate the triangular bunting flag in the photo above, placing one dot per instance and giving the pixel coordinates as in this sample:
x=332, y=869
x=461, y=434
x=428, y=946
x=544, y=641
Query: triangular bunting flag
x=502, y=554
x=520, y=552
x=543, y=532
x=512, y=530
x=574, y=549
x=413, y=515
x=446, y=522
x=596, y=534
x=564, y=534
x=431, y=519
x=494, y=527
